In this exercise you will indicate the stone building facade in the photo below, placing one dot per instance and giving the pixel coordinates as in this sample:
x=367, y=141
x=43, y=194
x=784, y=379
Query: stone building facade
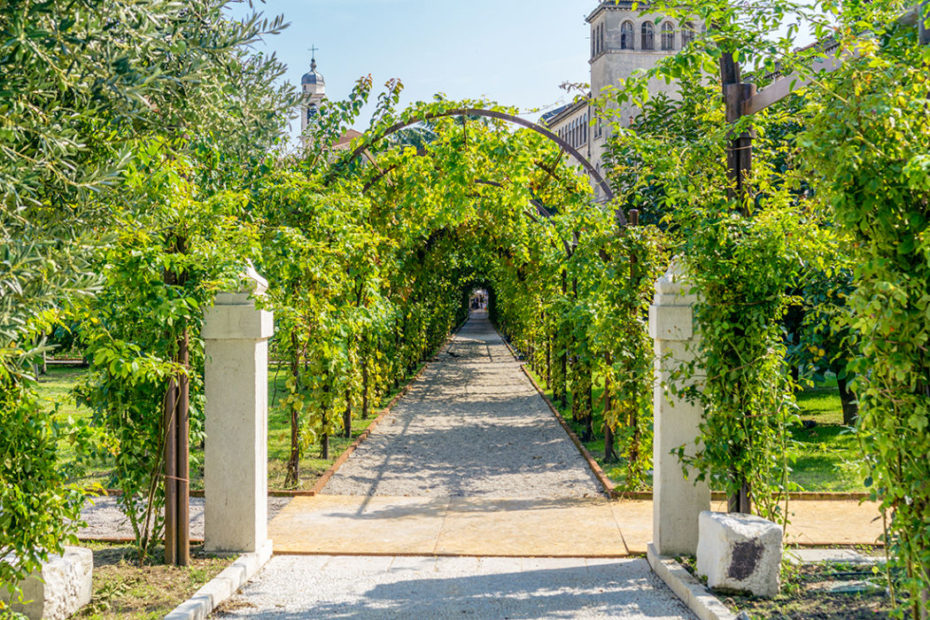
x=623, y=41
x=313, y=88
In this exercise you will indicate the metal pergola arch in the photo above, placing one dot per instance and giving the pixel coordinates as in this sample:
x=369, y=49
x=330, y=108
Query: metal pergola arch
x=464, y=112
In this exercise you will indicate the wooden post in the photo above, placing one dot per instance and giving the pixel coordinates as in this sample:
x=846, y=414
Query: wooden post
x=739, y=167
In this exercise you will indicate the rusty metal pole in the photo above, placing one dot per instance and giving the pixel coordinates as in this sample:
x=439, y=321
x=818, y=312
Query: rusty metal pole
x=171, y=463
x=182, y=471
x=739, y=167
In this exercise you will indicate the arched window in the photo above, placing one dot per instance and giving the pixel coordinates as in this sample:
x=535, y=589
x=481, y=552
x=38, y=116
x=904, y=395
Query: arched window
x=668, y=36
x=648, y=37
x=687, y=34
x=626, y=36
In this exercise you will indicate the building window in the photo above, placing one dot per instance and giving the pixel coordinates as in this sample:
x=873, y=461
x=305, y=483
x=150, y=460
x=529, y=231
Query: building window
x=668, y=36
x=649, y=36
x=687, y=34
x=626, y=36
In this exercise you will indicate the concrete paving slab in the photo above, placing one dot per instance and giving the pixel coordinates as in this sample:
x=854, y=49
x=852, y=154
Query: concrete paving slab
x=830, y=522
x=351, y=525
x=634, y=519
x=817, y=555
x=518, y=527
x=521, y=527
x=825, y=522
x=514, y=527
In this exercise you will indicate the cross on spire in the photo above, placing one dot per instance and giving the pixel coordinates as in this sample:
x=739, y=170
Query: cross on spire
x=313, y=50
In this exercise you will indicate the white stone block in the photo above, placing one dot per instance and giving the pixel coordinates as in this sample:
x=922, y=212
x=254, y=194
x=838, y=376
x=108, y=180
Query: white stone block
x=236, y=337
x=60, y=588
x=677, y=499
x=739, y=552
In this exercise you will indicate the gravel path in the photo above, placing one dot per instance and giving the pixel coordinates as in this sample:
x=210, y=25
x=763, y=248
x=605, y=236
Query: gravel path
x=418, y=587
x=471, y=425
x=106, y=521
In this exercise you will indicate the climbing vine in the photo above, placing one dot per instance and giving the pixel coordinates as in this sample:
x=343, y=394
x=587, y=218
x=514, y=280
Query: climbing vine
x=869, y=148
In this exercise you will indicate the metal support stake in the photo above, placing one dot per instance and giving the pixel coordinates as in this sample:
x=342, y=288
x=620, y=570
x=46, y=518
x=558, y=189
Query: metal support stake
x=171, y=463
x=923, y=14
x=182, y=430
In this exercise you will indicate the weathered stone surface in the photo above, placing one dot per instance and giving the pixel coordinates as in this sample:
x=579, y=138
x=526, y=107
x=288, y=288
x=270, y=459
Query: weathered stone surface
x=678, y=500
x=61, y=588
x=236, y=335
x=739, y=552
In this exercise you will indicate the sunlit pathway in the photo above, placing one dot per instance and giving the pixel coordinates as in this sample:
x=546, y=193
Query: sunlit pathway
x=468, y=500
x=471, y=425
x=427, y=588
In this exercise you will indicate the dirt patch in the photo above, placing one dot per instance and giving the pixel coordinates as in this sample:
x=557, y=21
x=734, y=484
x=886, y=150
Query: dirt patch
x=233, y=604
x=828, y=591
x=123, y=589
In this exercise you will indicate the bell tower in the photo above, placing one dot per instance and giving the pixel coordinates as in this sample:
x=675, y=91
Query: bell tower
x=313, y=88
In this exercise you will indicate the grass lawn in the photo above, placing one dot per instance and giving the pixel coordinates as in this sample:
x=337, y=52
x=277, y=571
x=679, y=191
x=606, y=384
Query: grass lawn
x=55, y=395
x=829, y=458
x=123, y=589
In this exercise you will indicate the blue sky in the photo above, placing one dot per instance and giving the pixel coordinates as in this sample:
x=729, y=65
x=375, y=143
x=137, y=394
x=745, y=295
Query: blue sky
x=515, y=52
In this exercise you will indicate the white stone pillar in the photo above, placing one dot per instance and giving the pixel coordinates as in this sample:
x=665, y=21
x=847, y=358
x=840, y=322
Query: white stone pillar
x=236, y=337
x=677, y=501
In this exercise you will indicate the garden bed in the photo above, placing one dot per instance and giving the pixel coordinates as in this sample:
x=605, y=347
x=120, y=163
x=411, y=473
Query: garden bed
x=124, y=589
x=829, y=452
x=55, y=394
x=848, y=591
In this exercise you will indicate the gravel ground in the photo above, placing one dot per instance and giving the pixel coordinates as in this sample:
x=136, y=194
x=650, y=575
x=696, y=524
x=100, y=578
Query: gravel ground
x=471, y=425
x=417, y=587
x=105, y=520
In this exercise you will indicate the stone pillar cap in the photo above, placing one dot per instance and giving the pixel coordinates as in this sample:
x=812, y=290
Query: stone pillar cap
x=251, y=284
x=673, y=288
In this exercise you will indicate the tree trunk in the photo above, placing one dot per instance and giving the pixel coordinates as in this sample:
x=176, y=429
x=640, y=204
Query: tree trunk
x=850, y=404
x=610, y=454
x=548, y=359
x=581, y=399
x=365, y=412
x=324, y=437
x=347, y=416
x=293, y=463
